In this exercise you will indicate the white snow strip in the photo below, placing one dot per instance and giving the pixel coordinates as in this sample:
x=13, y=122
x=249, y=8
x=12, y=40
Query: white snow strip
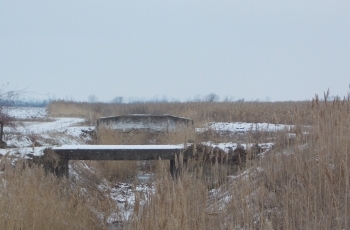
x=155, y=147
x=27, y=112
x=230, y=145
x=237, y=127
x=22, y=152
x=58, y=124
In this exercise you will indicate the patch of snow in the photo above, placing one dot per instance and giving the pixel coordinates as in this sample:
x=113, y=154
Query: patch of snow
x=49, y=132
x=145, y=177
x=18, y=141
x=124, y=195
x=232, y=146
x=243, y=127
x=57, y=125
x=23, y=151
x=27, y=112
x=155, y=147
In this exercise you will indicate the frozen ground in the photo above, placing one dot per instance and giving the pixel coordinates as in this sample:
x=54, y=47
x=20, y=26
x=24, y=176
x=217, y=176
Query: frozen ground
x=27, y=112
x=35, y=131
x=232, y=146
x=243, y=127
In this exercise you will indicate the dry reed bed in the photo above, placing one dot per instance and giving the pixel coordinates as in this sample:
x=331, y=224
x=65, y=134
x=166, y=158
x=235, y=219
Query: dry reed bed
x=302, y=184
x=200, y=112
x=31, y=199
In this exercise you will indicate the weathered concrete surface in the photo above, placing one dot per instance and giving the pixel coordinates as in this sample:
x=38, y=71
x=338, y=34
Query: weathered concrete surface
x=121, y=152
x=1, y=129
x=145, y=122
x=3, y=144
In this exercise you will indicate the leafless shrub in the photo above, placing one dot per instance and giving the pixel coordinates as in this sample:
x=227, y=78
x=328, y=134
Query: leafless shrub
x=7, y=98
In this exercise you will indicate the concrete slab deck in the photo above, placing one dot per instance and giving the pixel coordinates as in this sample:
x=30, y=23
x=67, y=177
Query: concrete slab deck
x=121, y=152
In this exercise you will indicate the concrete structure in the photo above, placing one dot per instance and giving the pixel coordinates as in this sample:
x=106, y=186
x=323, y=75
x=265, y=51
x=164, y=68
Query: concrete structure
x=145, y=122
x=119, y=152
x=128, y=124
x=2, y=143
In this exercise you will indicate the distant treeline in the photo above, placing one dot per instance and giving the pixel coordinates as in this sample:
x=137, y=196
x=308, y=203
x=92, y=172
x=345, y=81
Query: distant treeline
x=30, y=103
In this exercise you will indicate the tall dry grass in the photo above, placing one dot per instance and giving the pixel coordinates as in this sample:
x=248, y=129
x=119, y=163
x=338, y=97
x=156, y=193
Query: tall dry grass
x=302, y=183
x=200, y=112
x=305, y=186
x=32, y=199
x=177, y=204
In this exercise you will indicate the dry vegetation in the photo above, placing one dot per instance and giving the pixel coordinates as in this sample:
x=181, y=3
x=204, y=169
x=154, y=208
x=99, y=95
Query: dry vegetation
x=32, y=199
x=302, y=183
x=200, y=112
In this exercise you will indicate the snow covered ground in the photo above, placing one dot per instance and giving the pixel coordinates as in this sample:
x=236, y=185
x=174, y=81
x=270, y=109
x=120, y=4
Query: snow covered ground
x=243, y=127
x=232, y=146
x=27, y=112
x=35, y=131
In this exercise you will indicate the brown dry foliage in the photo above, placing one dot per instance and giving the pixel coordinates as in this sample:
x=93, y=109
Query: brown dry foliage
x=200, y=112
x=300, y=184
x=32, y=199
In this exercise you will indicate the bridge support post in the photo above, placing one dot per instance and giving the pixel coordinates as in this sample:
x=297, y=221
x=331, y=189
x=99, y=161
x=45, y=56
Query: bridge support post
x=62, y=168
x=173, y=170
x=2, y=143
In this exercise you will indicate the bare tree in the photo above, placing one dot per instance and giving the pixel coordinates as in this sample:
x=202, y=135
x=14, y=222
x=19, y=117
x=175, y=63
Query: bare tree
x=93, y=98
x=228, y=99
x=7, y=99
x=197, y=98
x=117, y=100
x=212, y=97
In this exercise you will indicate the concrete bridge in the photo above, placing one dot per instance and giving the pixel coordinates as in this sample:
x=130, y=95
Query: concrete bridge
x=120, y=152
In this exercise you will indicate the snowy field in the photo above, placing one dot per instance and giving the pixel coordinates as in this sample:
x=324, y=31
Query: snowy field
x=35, y=131
x=28, y=112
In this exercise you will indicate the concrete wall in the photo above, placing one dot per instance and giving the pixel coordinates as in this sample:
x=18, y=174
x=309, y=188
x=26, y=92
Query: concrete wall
x=146, y=122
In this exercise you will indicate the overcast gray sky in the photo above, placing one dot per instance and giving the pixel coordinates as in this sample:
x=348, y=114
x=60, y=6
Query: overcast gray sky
x=273, y=49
